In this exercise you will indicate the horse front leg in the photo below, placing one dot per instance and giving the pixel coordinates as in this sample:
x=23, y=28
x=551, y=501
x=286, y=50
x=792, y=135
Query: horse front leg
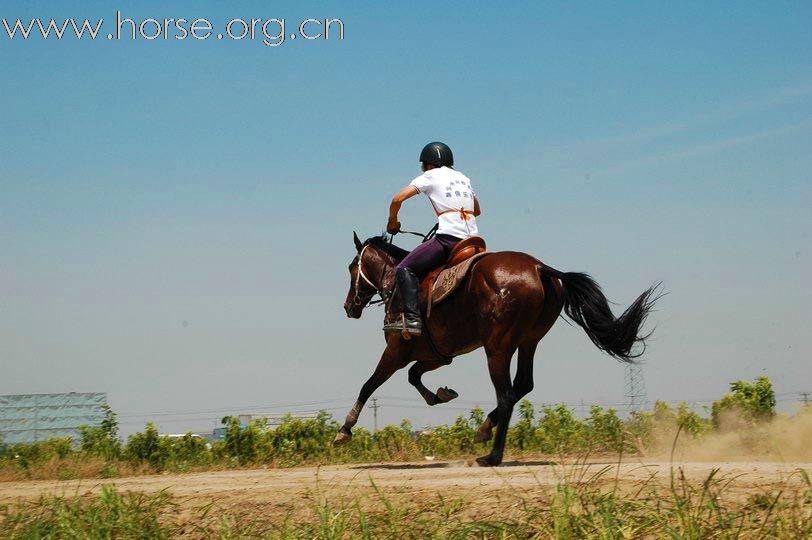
x=395, y=356
x=416, y=372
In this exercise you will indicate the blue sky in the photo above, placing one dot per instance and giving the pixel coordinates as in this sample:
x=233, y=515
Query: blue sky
x=176, y=217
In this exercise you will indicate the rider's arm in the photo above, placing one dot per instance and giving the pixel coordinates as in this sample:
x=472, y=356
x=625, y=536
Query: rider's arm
x=397, y=200
x=477, y=211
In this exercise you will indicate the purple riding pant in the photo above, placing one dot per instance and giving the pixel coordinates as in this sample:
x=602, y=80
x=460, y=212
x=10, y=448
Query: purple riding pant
x=429, y=255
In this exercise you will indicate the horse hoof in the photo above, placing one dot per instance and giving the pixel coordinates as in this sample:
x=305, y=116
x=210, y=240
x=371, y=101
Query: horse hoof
x=488, y=461
x=341, y=438
x=446, y=394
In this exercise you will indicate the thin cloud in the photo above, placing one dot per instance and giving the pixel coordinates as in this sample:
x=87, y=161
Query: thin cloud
x=723, y=112
x=706, y=148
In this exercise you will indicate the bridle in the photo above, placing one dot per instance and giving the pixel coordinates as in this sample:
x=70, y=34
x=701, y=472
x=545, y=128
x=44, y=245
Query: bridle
x=359, y=274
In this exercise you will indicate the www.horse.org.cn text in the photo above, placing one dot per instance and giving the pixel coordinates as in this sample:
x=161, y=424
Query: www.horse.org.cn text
x=271, y=32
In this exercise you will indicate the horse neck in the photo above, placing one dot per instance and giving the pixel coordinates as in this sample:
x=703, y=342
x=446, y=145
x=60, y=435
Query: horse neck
x=384, y=273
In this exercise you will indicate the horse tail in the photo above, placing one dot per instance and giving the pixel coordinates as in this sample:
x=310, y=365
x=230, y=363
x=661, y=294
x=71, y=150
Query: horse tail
x=586, y=305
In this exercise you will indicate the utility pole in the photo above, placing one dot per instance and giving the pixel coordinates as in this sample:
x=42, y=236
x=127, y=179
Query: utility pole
x=375, y=408
x=805, y=397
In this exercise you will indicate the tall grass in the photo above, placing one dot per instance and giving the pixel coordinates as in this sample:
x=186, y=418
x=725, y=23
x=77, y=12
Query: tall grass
x=109, y=515
x=578, y=506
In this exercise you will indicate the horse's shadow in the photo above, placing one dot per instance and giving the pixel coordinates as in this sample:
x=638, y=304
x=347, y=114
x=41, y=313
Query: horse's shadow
x=447, y=464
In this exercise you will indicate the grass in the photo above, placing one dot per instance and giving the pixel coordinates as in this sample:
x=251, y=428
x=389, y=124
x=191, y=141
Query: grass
x=109, y=515
x=578, y=506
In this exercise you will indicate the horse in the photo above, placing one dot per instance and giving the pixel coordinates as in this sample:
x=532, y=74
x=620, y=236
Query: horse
x=507, y=303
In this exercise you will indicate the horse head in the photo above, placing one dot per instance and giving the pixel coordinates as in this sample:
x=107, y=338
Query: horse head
x=371, y=272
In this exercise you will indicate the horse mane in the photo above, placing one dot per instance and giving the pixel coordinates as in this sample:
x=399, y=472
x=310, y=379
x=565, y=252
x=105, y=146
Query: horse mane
x=382, y=242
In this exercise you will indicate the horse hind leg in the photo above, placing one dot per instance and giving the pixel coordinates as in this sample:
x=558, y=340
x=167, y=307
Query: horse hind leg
x=416, y=372
x=523, y=381
x=522, y=385
x=499, y=368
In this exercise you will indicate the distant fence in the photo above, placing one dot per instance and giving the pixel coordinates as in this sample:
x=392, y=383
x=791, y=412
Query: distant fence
x=27, y=418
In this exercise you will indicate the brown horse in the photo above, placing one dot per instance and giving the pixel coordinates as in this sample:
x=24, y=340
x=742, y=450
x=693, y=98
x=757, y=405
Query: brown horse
x=508, y=302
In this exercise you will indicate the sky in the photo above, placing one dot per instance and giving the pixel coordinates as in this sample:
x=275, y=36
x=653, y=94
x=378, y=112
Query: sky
x=176, y=217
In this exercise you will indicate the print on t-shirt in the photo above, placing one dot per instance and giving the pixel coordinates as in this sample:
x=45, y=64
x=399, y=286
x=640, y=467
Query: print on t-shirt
x=449, y=189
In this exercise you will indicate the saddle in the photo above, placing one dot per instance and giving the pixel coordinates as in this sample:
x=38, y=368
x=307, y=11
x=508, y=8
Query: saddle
x=444, y=280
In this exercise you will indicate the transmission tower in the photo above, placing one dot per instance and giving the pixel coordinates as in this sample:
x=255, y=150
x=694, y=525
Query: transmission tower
x=635, y=388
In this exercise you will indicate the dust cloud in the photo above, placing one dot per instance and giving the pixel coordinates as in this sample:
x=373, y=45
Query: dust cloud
x=782, y=439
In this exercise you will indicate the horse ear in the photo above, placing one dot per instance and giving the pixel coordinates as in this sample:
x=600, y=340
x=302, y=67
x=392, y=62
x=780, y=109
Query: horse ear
x=358, y=244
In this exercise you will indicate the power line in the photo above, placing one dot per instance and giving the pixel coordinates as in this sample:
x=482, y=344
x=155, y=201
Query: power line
x=233, y=408
x=217, y=419
x=458, y=405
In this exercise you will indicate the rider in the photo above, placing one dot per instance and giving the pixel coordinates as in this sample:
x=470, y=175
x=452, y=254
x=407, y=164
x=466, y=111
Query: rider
x=456, y=206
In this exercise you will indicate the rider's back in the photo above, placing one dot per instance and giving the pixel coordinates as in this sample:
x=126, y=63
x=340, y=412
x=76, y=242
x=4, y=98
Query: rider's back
x=452, y=197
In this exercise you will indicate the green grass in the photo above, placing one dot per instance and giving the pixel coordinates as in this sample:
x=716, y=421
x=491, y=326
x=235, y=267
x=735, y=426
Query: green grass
x=594, y=507
x=108, y=515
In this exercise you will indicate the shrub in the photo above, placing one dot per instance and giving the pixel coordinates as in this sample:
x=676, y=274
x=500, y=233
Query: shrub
x=451, y=440
x=641, y=430
x=245, y=444
x=189, y=450
x=559, y=431
x=605, y=429
x=522, y=434
x=746, y=403
x=690, y=421
x=24, y=456
x=300, y=439
x=102, y=440
x=145, y=447
x=395, y=442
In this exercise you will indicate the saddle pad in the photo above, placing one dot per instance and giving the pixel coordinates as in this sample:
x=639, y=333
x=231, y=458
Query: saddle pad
x=450, y=278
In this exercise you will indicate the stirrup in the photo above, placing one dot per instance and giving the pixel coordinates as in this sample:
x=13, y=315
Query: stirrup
x=407, y=331
x=393, y=324
x=393, y=327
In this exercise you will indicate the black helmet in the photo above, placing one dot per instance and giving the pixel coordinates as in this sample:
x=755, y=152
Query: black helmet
x=437, y=153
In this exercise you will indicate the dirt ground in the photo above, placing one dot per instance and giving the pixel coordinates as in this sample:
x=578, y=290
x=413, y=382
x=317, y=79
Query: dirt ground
x=284, y=488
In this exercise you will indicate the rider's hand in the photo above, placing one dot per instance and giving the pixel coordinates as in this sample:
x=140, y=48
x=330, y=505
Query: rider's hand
x=393, y=227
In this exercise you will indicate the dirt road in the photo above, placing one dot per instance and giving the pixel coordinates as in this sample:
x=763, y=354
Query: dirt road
x=282, y=487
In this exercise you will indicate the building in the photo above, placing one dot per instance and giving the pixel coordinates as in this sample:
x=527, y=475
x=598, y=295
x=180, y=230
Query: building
x=273, y=419
x=27, y=418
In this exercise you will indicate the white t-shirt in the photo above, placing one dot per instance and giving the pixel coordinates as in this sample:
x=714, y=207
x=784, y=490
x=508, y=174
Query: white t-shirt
x=449, y=192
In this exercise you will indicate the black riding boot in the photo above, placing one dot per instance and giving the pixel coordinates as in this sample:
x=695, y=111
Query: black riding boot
x=408, y=286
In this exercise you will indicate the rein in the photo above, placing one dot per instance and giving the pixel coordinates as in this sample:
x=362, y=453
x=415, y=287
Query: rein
x=426, y=237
